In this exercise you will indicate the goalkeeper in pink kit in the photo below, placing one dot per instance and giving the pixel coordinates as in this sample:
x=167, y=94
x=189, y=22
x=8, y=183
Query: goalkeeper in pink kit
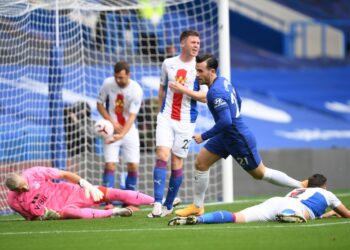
x=35, y=195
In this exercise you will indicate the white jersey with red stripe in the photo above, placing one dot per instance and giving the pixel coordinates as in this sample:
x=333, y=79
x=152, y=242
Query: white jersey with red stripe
x=178, y=106
x=120, y=102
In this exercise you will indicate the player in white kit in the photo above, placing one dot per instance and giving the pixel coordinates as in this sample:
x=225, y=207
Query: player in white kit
x=299, y=205
x=119, y=101
x=176, y=119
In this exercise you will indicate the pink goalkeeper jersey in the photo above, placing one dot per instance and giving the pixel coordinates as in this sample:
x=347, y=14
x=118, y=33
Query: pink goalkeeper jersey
x=43, y=192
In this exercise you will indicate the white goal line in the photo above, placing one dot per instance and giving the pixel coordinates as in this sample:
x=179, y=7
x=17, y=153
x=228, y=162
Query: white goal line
x=192, y=228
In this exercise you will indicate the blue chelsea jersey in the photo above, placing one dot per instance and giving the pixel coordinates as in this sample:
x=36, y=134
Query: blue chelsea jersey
x=229, y=135
x=222, y=95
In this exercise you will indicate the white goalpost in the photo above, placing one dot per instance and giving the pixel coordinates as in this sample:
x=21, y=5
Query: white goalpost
x=225, y=71
x=54, y=57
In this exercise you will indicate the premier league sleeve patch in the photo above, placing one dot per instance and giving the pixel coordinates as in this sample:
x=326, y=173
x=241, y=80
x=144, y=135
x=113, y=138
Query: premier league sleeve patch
x=219, y=102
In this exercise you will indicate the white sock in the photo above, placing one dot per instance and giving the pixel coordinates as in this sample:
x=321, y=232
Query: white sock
x=281, y=179
x=201, y=183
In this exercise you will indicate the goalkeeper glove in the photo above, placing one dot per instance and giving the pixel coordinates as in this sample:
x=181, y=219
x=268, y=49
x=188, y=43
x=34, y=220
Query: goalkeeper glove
x=89, y=189
x=50, y=214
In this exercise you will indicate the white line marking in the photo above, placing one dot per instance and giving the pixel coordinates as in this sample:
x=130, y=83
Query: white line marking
x=207, y=204
x=227, y=226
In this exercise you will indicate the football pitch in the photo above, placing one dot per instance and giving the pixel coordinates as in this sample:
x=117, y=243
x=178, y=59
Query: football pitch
x=139, y=232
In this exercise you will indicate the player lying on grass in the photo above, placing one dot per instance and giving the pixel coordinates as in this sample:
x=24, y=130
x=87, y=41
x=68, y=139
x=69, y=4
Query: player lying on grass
x=35, y=195
x=299, y=205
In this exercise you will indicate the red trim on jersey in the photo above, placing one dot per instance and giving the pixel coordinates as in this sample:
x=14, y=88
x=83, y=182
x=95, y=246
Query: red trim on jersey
x=176, y=107
x=177, y=97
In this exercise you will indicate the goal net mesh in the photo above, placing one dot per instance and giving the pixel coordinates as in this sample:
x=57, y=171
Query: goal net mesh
x=54, y=58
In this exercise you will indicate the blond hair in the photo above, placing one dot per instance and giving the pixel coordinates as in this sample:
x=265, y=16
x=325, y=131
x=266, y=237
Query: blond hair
x=12, y=181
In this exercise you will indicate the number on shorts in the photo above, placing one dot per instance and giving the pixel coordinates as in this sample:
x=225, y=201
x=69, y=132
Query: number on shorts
x=243, y=161
x=186, y=143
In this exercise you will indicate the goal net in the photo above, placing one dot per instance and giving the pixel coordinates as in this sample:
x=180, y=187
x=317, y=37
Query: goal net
x=54, y=58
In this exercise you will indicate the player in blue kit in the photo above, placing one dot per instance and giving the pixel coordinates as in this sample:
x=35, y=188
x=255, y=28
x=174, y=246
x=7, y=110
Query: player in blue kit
x=229, y=136
x=299, y=205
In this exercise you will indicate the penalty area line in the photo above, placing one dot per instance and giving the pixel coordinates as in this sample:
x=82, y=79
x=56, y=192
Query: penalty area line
x=171, y=228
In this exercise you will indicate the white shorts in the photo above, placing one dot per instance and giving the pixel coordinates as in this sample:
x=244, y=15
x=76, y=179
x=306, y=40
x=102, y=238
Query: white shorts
x=268, y=210
x=174, y=134
x=130, y=146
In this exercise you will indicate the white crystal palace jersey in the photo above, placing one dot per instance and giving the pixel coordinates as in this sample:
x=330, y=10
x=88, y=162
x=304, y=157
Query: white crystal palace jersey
x=316, y=199
x=120, y=102
x=178, y=106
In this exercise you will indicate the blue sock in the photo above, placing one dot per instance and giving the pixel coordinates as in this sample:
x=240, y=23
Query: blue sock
x=159, y=178
x=217, y=217
x=174, y=185
x=108, y=178
x=131, y=181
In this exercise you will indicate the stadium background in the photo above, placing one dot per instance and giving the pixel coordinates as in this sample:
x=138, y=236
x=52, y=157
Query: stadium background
x=298, y=105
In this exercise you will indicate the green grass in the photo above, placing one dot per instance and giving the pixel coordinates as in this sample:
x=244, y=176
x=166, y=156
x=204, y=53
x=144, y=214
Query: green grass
x=139, y=232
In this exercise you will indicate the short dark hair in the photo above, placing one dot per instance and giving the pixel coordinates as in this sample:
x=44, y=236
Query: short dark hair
x=188, y=33
x=121, y=65
x=212, y=63
x=316, y=180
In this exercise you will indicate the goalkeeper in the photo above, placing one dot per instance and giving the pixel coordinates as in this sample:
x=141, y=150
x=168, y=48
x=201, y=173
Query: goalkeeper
x=299, y=205
x=35, y=195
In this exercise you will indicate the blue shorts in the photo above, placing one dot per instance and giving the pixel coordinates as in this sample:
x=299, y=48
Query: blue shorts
x=242, y=147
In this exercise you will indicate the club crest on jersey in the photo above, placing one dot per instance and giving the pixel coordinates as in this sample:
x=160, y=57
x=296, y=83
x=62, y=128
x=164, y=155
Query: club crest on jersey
x=218, y=102
x=36, y=185
x=181, y=76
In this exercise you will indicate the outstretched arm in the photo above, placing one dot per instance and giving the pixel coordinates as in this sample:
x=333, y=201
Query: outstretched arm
x=69, y=176
x=200, y=96
x=90, y=190
x=331, y=213
x=340, y=211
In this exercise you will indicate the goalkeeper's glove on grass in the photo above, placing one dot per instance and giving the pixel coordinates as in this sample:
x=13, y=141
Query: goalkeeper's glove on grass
x=91, y=190
x=50, y=214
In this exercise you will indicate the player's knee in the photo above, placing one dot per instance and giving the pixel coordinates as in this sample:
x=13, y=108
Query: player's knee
x=200, y=165
x=162, y=157
x=259, y=172
x=110, y=166
x=132, y=167
x=162, y=154
x=257, y=177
